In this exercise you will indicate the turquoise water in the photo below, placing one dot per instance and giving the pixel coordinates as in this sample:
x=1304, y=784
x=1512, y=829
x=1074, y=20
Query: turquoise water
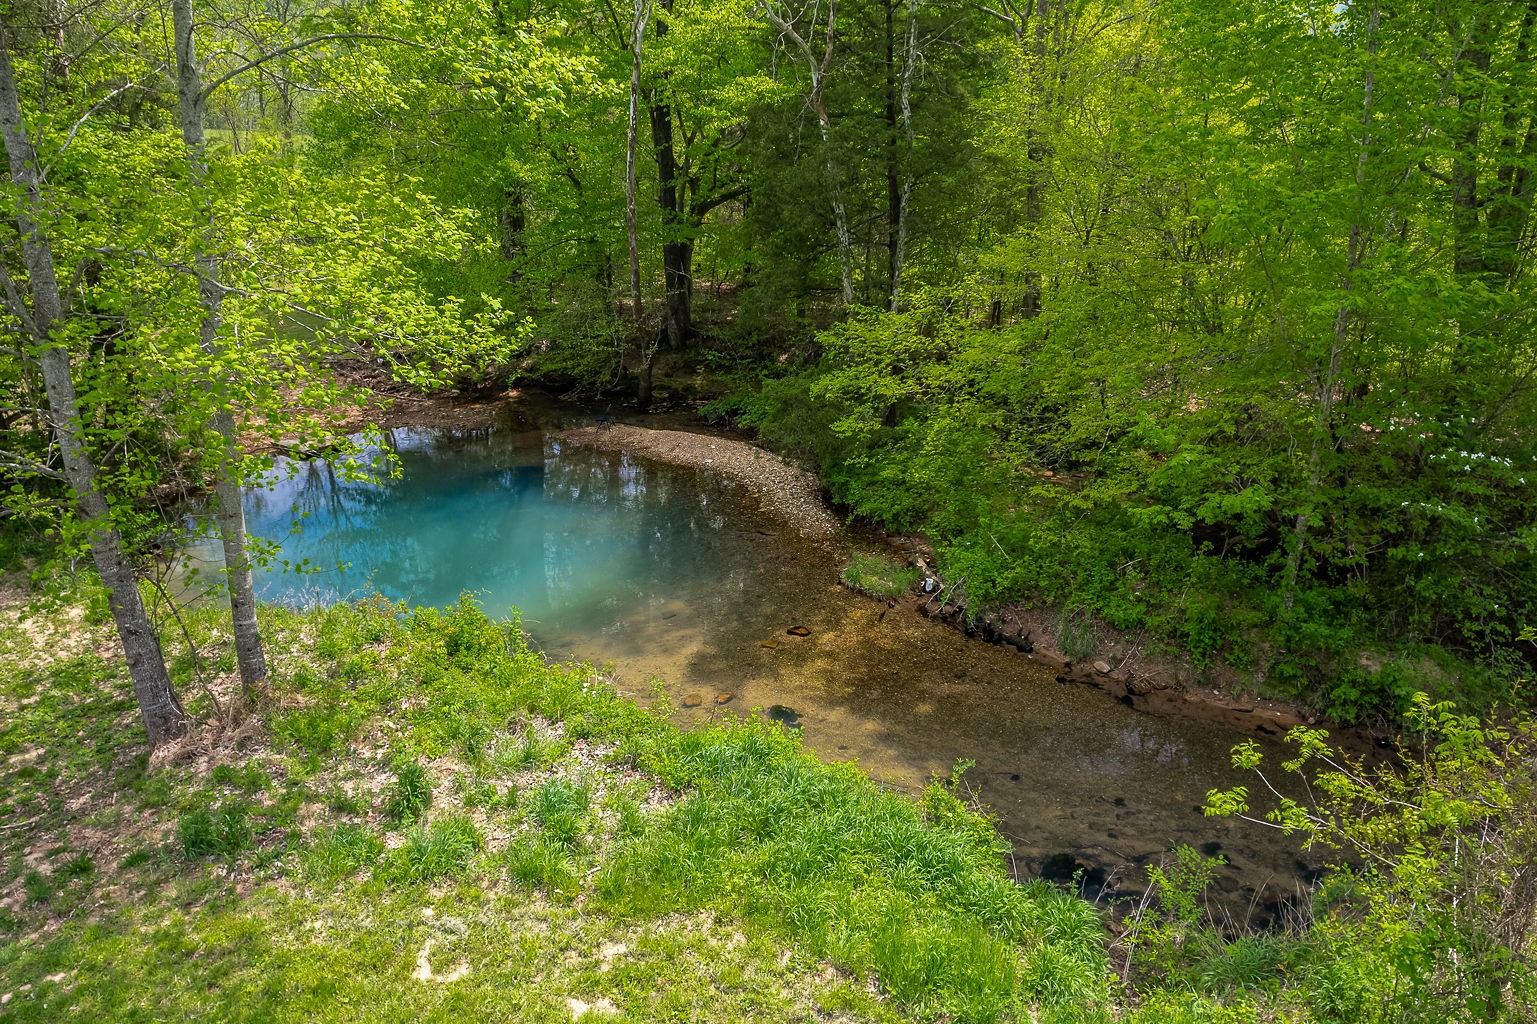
x=658, y=574
x=563, y=534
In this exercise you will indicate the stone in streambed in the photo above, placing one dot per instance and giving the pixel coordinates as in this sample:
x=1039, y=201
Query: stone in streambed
x=786, y=716
x=692, y=700
x=798, y=631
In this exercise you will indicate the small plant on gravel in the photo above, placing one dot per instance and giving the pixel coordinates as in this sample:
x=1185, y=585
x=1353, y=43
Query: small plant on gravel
x=878, y=576
x=409, y=795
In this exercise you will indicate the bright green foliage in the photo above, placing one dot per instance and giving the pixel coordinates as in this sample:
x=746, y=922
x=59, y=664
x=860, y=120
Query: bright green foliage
x=1218, y=368
x=1433, y=915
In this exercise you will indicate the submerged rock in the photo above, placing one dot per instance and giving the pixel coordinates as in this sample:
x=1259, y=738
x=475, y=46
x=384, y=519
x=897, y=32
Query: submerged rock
x=784, y=715
x=798, y=631
x=692, y=700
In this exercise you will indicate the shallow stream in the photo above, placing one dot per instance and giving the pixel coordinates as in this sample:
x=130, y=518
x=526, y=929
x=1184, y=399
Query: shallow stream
x=675, y=575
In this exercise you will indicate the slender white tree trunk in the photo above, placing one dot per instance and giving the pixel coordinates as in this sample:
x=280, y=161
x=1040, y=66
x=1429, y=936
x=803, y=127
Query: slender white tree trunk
x=163, y=716
x=631, y=229
x=818, y=68
x=228, y=511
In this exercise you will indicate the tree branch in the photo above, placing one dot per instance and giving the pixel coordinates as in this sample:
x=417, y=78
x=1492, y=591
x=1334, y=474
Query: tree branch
x=704, y=206
x=75, y=128
x=302, y=44
x=12, y=460
x=1429, y=171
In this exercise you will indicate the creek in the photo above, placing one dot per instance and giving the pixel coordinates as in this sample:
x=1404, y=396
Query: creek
x=674, y=576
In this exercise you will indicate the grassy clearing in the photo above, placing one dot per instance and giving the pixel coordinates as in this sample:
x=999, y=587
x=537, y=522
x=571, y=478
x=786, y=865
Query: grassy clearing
x=426, y=820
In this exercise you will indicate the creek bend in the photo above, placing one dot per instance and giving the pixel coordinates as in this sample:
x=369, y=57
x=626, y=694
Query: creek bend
x=676, y=575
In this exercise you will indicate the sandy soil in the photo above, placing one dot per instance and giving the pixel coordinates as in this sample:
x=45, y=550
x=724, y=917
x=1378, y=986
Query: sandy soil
x=786, y=491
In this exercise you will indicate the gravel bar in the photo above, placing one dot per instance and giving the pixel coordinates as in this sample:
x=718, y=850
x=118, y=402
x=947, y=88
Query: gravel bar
x=786, y=490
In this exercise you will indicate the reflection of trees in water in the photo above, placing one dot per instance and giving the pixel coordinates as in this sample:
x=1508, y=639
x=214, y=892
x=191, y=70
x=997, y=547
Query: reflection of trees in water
x=550, y=529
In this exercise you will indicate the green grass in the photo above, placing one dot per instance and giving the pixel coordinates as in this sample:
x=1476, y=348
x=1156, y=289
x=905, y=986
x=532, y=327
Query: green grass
x=878, y=576
x=522, y=830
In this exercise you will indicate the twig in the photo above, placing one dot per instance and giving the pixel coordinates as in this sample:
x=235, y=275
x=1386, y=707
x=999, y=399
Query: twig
x=197, y=657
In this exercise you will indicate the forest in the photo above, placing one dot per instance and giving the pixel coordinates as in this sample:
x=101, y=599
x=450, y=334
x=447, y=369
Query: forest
x=1209, y=325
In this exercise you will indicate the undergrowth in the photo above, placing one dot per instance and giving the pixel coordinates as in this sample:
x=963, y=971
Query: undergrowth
x=424, y=820
x=414, y=766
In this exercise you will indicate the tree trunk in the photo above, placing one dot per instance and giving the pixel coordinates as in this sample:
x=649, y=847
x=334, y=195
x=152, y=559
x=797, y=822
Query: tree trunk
x=1509, y=208
x=513, y=218
x=905, y=194
x=817, y=67
x=1035, y=153
x=631, y=227
x=677, y=253
x=893, y=157
x=677, y=249
x=228, y=512
x=1328, y=376
x=163, y=716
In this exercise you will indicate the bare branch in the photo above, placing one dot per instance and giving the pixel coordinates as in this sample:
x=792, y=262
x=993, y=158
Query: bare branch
x=75, y=128
x=303, y=44
x=27, y=464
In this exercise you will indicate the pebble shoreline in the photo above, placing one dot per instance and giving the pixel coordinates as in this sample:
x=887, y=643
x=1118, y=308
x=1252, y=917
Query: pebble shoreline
x=787, y=491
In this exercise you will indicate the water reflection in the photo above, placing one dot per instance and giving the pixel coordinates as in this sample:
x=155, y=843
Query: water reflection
x=515, y=517
x=670, y=574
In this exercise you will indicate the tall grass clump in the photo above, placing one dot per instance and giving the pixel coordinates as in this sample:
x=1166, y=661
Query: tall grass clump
x=409, y=794
x=542, y=863
x=877, y=576
x=341, y=850
x=224, y=830
x=560, y=808
x=443, y=847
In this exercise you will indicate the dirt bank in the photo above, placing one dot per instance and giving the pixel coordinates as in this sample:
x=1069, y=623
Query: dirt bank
x=1159, y=683
x=786, y=491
